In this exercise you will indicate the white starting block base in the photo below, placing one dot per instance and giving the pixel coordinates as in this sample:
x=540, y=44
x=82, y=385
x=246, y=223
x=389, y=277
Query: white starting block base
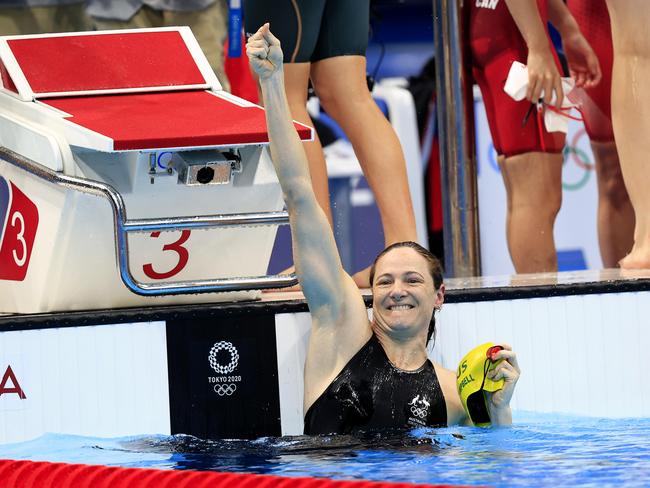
x=74, y=263
x=82, y=177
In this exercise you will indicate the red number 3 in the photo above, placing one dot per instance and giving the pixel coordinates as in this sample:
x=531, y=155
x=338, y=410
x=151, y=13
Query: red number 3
x=20, y=222
x=177, y=247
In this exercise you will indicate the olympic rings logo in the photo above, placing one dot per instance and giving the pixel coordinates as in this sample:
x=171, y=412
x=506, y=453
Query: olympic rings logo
x=225, y=389
x=492, y=158
x=419, y=412
x=234, y=358
x=581, y=159
x=572, y=152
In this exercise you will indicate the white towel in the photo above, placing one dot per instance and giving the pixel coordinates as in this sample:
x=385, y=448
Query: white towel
x=517, y=85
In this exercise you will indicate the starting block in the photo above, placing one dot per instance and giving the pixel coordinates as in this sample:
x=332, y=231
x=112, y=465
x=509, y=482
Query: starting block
x=128, y=177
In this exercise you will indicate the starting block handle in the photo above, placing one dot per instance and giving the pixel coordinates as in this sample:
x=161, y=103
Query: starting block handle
x=206, y=221
x=123, y=226
x=200, y=222
x=209, y=286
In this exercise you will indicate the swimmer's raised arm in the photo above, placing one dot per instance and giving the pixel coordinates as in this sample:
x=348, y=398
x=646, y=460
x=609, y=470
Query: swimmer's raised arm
x=327, y=287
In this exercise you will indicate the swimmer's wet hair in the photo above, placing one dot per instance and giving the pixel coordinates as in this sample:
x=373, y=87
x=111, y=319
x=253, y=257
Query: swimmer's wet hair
x=435, y=269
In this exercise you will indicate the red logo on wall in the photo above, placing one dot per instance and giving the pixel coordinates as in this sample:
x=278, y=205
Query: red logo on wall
x=18, y=224
x=9, y=384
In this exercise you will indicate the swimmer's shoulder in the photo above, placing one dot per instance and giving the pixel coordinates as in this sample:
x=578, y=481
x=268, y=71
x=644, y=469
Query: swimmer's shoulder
x=455, y=411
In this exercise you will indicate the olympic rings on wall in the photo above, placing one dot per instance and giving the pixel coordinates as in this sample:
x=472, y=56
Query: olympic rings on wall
x=225, y=389
x=572, y=153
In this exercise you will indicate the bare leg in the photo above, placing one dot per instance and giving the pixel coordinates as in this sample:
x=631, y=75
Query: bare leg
x=534, y=192
x=631, y=115
x=340, y=83
x=615, y=212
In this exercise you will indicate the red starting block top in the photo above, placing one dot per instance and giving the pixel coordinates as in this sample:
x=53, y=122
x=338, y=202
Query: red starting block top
x=56, y=65
x=107, y=62
x=141, y=89
x=143, y=121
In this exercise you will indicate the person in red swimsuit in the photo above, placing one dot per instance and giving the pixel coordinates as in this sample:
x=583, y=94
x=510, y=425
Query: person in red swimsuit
x=530, y=158
x=631, y=114
x=615, y=212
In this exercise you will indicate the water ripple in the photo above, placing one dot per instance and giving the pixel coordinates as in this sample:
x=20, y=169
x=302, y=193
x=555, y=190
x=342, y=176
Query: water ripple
x=538, y=450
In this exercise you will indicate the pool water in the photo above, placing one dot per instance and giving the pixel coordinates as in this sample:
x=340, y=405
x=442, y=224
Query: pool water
x=538, y=450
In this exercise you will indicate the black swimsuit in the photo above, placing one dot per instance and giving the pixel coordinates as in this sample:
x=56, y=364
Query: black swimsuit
x=370, y=393
x=313, y=30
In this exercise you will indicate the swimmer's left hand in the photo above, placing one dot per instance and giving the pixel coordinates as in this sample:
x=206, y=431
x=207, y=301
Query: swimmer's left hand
x=499, y=401
x=583, y=62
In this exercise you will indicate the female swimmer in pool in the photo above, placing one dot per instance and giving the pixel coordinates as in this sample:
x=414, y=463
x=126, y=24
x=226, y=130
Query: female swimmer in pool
x=362, y=374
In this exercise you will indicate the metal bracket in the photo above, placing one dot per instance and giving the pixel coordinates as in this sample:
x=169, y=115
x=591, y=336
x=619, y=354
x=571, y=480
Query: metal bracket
x=123, y=226
x=207, y=167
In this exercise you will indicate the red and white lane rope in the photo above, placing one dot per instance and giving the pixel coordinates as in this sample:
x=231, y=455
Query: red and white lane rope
x=27, y=474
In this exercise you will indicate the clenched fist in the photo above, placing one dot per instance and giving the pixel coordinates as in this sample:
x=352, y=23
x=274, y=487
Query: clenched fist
x=264, y=53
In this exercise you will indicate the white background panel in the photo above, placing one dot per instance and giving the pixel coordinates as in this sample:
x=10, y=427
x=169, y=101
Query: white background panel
x=643, y=351
x=558, y=347
x=106, y=380
x=582, y=320
x=291, y=335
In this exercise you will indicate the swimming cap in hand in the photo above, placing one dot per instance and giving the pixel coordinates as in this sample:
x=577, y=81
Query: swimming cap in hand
x=472, y=381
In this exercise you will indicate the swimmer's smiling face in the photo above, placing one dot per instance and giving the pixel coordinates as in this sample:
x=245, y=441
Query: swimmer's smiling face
x=404, y=293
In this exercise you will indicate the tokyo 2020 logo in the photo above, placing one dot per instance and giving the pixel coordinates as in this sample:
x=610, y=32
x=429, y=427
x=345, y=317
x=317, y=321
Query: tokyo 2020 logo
x=234, y=357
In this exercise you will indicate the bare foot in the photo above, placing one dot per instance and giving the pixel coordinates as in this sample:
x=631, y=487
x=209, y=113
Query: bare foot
x=637, y=259
x=362, y=278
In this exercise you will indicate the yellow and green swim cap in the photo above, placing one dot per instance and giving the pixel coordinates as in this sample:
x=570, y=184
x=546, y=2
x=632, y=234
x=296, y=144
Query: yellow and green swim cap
x=471, y=381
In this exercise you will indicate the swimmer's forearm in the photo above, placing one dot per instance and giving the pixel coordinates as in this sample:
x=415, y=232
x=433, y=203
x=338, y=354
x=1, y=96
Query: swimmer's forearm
x=561, y=18
x=529, y=22
x=287, y=153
